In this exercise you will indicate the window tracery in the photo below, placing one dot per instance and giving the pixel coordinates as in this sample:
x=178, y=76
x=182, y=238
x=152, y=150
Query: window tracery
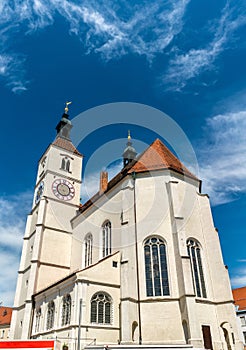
x=156, y=267
x=50, y=315
x=66, y=309
x=194, y=253
x=88, y=243
x=106, y=239
x=101, y=308
x=38, y=317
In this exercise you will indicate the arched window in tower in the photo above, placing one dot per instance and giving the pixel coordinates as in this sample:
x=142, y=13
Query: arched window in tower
x=50, y=315
x=106, y=239
x=38, y=317
x=88, y=249
x=101, y=308
x=66, y=309
x=194, y=253
x=156, y=267
x=65, y=164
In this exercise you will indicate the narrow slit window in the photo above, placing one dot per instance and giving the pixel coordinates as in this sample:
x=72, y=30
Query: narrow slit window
x=106, y=239
x=194, y=253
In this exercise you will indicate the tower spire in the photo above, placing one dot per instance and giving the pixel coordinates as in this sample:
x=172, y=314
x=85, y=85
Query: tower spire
x=64, y=126
x=129, y=152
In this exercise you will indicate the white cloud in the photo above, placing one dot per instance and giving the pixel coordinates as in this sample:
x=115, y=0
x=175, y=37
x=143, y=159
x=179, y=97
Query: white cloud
x=8, y=277
x=238, y=277
x=4, y=63
x=191, y=64
x=11, y=69
x=113, y=29
x=108, y=28
x=13, y=212
x=222, y=157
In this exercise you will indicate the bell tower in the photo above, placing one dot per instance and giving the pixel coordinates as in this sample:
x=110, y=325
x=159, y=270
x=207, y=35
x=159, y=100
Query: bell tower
x=46, y=248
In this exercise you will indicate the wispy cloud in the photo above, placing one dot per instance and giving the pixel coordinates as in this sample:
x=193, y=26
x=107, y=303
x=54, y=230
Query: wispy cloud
x=13, y=212
x=188, y=65
x=107, y=28
x=115, y=29
x=222, y=157
x=11, y=69
x=238, y=277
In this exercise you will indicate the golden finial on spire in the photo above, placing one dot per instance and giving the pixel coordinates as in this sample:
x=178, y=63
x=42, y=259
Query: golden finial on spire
x=66, y=108
x=129, y=135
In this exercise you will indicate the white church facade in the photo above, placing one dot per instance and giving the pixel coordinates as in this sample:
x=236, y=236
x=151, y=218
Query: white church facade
x=138, y=265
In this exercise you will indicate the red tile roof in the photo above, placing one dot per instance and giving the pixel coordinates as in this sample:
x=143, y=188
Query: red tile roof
x=66, y=144
x=157, y=157
x=5, y=315
x=239, y=295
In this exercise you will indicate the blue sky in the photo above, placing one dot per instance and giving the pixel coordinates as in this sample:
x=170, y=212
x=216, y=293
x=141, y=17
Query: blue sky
x=183, y=57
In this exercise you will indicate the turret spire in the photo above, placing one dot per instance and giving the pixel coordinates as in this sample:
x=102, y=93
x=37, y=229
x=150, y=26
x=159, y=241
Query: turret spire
x=64, y=126
x=130, y=152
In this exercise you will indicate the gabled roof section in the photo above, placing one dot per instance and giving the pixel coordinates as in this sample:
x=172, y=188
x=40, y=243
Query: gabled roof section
x=239, y=296
x=5, y=315
x=157, y=157
x=66, y=144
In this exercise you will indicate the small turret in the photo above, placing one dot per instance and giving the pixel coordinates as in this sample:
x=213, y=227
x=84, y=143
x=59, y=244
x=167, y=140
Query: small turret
x=64, y=126
x=129, y=153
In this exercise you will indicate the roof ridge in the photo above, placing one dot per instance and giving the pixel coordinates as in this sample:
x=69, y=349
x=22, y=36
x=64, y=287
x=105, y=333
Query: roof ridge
x=129, y=168
x=161, y=161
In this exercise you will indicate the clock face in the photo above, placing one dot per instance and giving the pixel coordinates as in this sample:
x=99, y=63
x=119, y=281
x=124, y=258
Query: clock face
x=63, y=189
x=39, y=192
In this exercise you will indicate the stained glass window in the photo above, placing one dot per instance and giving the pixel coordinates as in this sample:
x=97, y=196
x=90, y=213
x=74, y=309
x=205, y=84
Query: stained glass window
x=88, y=249
x=38, y=317
x=66, y=309
x=106, y=239
x=194, y=253
x=156, y=273
x=101, y=308
x=50, y=315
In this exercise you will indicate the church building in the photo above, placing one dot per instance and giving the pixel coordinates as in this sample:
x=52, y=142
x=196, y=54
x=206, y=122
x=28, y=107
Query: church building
x=139, y=265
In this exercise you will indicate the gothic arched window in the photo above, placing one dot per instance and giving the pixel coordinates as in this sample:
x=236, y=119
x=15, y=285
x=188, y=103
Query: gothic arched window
x=65, y=164
x=156, y=267
x=50, y=315
x=106, y=239
x=66, y=309
x=88, y=249
x=101, y=308
x=38, y=317
x=194, y=253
